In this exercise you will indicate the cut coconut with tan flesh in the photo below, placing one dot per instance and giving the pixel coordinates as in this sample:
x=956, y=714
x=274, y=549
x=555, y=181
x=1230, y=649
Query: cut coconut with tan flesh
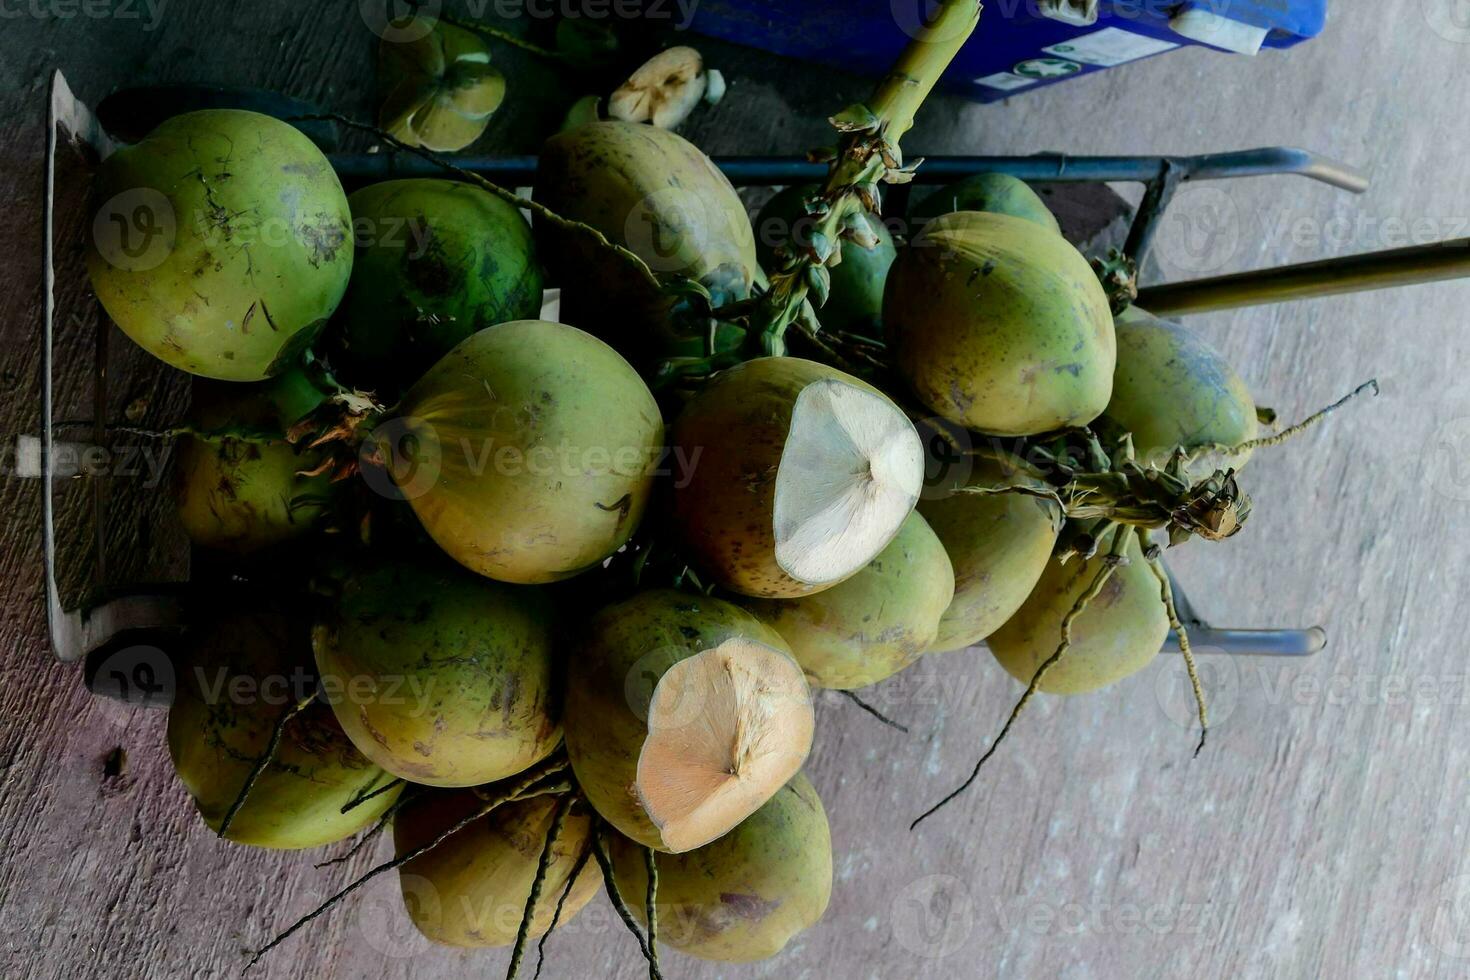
x=801, y=475
x=726, y=728
x=662, y=92
x=684, y=714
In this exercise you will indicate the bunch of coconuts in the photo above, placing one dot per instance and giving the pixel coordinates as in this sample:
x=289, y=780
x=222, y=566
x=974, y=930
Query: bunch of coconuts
x=488, y=587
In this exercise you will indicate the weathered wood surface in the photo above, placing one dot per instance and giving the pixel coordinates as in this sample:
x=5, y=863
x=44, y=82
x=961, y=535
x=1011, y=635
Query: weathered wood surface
x=1322, y=833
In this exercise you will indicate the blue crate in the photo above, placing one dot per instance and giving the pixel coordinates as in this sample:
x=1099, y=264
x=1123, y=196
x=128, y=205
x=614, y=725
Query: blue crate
x=1017, y=48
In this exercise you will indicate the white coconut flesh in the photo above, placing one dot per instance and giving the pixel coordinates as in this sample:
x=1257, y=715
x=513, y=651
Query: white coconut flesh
x=850, y=474
x=662, y=92
x=727, y=728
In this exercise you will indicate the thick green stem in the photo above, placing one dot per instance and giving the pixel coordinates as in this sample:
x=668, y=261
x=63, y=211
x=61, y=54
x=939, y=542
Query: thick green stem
x=867, y=153
x=919, y=68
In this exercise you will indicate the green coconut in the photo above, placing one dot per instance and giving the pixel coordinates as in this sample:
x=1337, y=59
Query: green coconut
x=998, y=545
x=439, y=676
x=241, y=672
x=528, y=452
x=1118, y=634
x=746, y=895
x=996, y=193
x=439, y=90
x=437, y=260
x=855, y=296
x=221, y=243
x=245, y=493
x=684, y=714
x=471, y=890
x=1172, y=389
x=1000, y=326
x=657, y=194
x=799, y=475
x=876, y=623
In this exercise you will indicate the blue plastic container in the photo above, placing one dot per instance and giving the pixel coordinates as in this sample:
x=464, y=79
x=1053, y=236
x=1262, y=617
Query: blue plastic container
x=1020, y=45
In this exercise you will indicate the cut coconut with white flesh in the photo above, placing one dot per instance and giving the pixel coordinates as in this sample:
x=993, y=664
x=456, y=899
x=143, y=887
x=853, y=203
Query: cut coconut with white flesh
x=727, y=728
x=850, y=473
x=662, y=92
x=795, y=476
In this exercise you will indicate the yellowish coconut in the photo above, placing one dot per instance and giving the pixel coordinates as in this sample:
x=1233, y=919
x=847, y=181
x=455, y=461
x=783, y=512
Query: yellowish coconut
x=684, y=714
x=999, y=325
x=471, y=890
x=1118, y=634
x=528, y=451
x=876, y=623
x=440, y=676
x=799, y=475
x=242, y=672
x=1173, y=390
x=746, y=895
x=998, y=545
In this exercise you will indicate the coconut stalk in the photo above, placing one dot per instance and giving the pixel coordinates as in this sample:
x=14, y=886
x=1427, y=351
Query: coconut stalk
x=867, y=154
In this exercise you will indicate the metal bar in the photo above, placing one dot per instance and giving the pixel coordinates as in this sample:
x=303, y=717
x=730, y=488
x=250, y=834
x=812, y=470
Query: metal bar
x=1146, y=222
x=99, y=436
x=1044, y=167
x=1330, y=277
x=55, y=614
x=1252, y=643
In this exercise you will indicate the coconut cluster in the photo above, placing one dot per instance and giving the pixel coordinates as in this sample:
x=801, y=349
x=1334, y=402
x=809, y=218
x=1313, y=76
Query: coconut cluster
x=550, y=613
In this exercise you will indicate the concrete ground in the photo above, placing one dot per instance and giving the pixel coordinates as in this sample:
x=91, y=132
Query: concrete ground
x=1322, y=832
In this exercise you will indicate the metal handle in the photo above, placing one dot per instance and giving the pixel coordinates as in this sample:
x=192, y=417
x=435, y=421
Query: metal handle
x=1329, y=277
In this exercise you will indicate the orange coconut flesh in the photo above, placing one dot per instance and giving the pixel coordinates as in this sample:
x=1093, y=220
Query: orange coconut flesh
x=850, y=474
x=727, y=728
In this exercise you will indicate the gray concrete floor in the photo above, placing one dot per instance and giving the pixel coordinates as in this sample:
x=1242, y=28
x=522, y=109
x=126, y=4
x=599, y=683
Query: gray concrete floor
x=1322, y=833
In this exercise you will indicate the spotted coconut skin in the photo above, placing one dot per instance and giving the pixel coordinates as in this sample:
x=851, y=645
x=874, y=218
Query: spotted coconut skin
x=1118, y=634
x=437, y=260
x=441, y=677
x=998, y=546
x=657, y=194
x=470, y=891
x=731, y=437
x=261, y=252
x=215, y=736
x=611, y=675
x=1172, y=389
x=536, y=444
x=877, y=622
x=1000, y=326
x=745, y=896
